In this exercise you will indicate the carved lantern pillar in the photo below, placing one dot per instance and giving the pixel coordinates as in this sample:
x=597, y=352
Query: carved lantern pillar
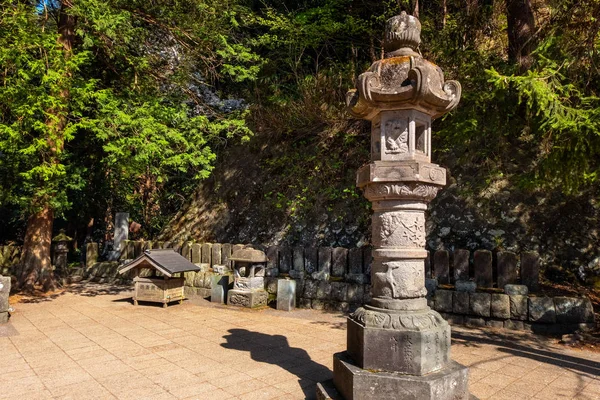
x=398, y=348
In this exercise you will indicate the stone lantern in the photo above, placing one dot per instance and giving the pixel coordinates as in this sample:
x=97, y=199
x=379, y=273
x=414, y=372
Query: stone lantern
x=60, y=247
x=398, y=348
x=249, y=279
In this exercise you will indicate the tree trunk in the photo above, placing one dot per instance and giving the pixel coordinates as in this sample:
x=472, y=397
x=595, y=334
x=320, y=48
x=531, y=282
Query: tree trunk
x=520, y=31
x=35, y=257
x=35, y=264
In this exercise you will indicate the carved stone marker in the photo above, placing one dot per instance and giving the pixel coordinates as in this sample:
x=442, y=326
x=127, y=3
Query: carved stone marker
x=249, y=279
x=398, y=348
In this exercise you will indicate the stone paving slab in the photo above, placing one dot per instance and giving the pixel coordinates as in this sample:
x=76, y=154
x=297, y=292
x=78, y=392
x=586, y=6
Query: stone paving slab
x=92, y=343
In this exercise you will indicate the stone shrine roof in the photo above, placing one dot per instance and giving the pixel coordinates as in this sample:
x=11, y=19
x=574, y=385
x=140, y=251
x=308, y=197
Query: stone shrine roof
x=167, y=261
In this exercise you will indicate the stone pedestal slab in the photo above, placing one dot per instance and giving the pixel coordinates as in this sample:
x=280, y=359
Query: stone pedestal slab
x=250, y=299
x=355, y=383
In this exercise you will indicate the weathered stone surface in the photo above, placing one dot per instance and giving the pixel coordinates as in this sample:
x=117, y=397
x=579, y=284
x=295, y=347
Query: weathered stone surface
x=323, y=290
x=441, y=266
x=196, y=253
x=443, y=300
x=206, y=257
x=465, y=286
x=310, y=289
x=455, y=320
x=194, y=292
x=474, y=322
x=216, y=254
x=4, y=292
x=249, y=255
x=461, y=265
x=217, y=294
x=357, y=278
x=317, y=304
x=367, y=260
x=298, y=259
x=355, y=383
x=431, y=284
x=186, y=251
x=296, y=274
x=507, y=268
x=500, y=306
x=339, y=291
x=518, y=307
x=339, y=261
x=304, y=303
x=416, y=351
x=311, y=260
x=249, y=299
x=226, y=250
x=121, y=230
x=494, y=323
x=4, y=317
x=460, y=302
x=285, y=259
x=355, y=261
x=516, y=290
x=480, y=304
x=514, y=325
x=271, y=285
x=355, y=293
x=530, y=270
x=482, y=266
x=325, y=260
x=541, y=309
x=569, y=310
x=91, y=254
x=286, y=294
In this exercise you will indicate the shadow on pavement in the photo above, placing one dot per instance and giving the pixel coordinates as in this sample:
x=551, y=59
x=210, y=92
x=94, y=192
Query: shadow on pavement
x=275, y=349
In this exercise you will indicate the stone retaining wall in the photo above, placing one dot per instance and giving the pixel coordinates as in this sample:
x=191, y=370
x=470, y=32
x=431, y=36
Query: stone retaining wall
x=9, y=258
x=475, y=289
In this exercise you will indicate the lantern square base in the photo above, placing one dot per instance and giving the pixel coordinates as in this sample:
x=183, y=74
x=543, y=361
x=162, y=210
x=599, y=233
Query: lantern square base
x=354, y=383
x=246, y=298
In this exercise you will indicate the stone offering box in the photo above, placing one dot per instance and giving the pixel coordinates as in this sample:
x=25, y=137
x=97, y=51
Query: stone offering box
x=162, y=285
x=249, y=279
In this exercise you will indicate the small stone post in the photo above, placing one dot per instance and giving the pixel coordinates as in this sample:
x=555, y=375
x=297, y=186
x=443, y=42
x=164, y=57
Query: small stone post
x=399, y=348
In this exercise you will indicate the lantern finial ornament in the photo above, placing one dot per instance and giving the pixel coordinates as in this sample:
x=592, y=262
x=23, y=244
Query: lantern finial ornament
x=402, y=35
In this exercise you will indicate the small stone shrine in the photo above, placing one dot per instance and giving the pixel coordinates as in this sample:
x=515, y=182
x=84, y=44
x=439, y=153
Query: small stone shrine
x=249, y=279
x=399, y=348
x=155, y=277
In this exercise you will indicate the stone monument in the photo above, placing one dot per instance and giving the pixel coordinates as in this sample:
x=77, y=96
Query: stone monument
x=121, y=234
x=398, y=348
x=248, y=279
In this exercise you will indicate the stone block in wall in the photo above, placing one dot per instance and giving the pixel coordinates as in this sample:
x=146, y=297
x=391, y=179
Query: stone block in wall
x=272, y=254
x=4, y=293
x=541, y=309
x=304, y=303
x=431, y=285
x=286, y=259
x=207, y=281
x=367, y=294
x=296, y=274
x=427, y=263
x=196, y=253
x=443, y=300
x=456, y=320
x=460, y=261
x=272, y=272
x=125, y=252
x=130, y=249
x=339, y=261
x=216, y=254
x=316, y=304
x=530, y=270
x=500, y=306
x=482, y=268
x=91, y=254
x=226, y=249
x=480, y=304
x=206, y=257
x=199, y=279
x=518, y=307
x=507, y=268
x=300, y=287
x=367, y=260
x=355, y=261
x=573, y=310
x=298, y=259
x=194, y=292
x=460, y=302
x=323, y=290
x=495, y=323
x=355, y=293
x=357, y=278
x=514, y=325
x=516, y=290
x=474, y=322
x=271, y=285
x=189, y=277
x=465, y=286
x=325, y=260
x=339, y=291
x=441, y=266
x=186, y=251
x=311, y=260
x=310, y=289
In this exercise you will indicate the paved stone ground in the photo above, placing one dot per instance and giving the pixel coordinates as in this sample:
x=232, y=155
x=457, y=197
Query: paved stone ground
x=92, y=343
